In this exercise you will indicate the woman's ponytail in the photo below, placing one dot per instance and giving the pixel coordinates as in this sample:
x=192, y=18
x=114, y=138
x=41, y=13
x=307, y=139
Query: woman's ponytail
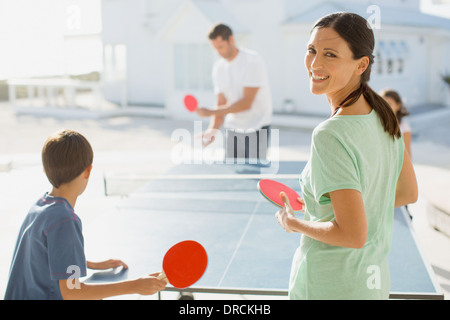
x=384, y=111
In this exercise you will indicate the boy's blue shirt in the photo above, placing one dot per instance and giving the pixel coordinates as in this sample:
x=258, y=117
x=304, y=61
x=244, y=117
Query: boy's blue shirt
x=49, y=248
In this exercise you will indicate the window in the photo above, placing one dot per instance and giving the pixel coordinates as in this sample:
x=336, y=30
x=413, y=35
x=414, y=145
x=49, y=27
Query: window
x=390, y=66
x=403, y=51
x=193, y=66
x=391, y=57
x=400, y=66
x=379, y=63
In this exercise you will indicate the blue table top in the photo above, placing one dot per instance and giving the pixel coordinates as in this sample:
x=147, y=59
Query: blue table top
x=220, y=207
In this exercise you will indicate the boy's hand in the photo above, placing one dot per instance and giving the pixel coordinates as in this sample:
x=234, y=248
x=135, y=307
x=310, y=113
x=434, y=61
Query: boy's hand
x=107, y=264
x=148, y=285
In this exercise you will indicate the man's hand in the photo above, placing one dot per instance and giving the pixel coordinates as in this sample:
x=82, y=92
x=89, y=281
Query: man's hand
x=207, y=137
x=204, y=112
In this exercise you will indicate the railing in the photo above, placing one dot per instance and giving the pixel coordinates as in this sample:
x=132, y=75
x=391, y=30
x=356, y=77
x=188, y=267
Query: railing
x=49, y=91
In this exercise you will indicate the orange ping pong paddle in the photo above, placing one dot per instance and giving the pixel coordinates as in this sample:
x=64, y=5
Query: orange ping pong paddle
x=190, y=102
x=184, y=264
x=271, y=190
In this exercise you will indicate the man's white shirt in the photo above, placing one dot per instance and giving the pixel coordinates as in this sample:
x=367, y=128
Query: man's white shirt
x=247, y=69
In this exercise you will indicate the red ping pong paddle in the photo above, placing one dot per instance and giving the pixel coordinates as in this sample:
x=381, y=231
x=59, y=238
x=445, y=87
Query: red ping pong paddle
x=271, y=190
x=190, y=102
x=184, y=264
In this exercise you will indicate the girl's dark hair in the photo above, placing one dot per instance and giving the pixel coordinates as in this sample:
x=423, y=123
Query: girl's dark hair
x=402, y=112
x=356, y=31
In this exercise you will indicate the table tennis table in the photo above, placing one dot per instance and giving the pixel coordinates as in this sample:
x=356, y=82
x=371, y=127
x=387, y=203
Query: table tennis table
x=220, y=206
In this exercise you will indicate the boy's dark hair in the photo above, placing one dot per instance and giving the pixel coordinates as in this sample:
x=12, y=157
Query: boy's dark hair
x=220, y=30
x=65, y=156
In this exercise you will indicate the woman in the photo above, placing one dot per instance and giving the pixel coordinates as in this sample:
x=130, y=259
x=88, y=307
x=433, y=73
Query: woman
x=395, y=101
x=357, y=172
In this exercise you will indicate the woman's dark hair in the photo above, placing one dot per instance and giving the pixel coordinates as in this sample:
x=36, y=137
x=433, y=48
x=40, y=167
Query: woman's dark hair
x=402, y=112
x=355, y=30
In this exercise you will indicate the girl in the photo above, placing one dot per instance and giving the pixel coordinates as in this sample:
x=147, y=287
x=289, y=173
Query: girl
x=357, y=173
x=395, y=101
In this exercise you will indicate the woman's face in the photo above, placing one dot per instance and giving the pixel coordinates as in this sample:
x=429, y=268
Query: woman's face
x=330, y=64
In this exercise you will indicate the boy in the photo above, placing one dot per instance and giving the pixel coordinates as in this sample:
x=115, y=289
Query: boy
x=50, y=247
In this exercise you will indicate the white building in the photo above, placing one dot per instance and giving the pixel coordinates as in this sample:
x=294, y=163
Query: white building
x=161, y=50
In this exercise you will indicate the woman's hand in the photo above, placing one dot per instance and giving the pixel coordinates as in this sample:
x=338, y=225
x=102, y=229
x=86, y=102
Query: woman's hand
x=286, y=215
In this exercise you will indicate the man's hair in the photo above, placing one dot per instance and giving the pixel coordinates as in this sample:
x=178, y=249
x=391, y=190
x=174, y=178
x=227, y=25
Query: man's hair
x=65, y=156
x=220, y=30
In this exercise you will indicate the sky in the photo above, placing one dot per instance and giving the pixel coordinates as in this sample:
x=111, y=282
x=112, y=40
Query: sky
x=32, y=36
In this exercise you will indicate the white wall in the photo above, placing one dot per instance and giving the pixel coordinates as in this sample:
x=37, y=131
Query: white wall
x=146, y=60
x=134, y=26
x=190, y=27
x=412, y=83
x=439, y=64
x=263, y=19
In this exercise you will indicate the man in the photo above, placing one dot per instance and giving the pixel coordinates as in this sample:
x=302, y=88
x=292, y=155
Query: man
x=244, y=102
